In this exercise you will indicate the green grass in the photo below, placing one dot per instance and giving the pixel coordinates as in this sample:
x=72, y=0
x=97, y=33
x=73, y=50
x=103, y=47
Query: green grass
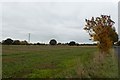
x=56, y=62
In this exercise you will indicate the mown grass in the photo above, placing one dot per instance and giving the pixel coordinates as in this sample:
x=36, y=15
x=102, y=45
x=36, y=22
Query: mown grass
x=56, y=62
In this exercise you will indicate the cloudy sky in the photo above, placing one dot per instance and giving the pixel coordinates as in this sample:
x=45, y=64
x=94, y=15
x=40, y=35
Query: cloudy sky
x=63, y=21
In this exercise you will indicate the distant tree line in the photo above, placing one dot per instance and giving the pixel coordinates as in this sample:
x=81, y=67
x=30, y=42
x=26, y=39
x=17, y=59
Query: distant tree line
x=9, y=41
x=53, y=42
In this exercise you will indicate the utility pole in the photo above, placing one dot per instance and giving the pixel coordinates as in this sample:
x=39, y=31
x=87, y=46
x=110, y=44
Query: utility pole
x=29, y=37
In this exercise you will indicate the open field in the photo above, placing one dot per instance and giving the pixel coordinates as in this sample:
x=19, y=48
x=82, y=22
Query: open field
x=24, y=61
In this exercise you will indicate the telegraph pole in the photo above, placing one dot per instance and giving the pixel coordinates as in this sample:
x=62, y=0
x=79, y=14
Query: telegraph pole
x=29, y=37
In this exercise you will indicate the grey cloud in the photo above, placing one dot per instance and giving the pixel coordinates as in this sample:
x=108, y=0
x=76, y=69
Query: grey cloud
x=63, y=21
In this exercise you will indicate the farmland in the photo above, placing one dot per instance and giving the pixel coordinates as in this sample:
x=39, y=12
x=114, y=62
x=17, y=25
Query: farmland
x=34, y=61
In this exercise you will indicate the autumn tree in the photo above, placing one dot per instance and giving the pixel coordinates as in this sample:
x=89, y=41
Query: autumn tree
x=101, y=29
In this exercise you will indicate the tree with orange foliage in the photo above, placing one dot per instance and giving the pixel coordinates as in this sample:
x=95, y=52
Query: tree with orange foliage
x=101, y=30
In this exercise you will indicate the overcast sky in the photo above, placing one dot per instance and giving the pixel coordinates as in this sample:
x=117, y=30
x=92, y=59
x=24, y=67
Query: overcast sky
x=63, y=21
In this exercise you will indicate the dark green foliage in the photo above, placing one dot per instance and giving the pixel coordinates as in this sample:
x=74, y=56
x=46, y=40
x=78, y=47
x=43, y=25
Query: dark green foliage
x=16, y=42
x=53, y=42
x=72, y=43
x=8, y=41
x=59, y=44
x=118, y=43
x=24, y=42
x=38, y=43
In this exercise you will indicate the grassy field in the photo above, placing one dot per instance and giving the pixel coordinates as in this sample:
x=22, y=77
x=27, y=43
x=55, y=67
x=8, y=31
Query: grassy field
x=56, y=62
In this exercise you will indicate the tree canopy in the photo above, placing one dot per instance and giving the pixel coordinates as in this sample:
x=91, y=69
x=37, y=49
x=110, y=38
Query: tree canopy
x=72, y=43
x=8, y=41
x=53, y=42
x=101, y=29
